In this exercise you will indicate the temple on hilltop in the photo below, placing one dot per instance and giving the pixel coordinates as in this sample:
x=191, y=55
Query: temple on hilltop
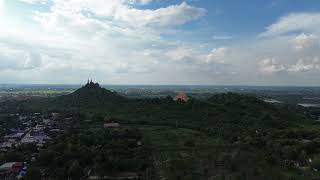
x=90, y=83
x=181, y=96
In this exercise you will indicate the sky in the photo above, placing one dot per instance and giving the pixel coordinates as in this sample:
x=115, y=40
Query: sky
x=160, y=42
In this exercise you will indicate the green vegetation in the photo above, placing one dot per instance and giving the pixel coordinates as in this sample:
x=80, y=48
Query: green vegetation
x=228, y=136
x=97, y=152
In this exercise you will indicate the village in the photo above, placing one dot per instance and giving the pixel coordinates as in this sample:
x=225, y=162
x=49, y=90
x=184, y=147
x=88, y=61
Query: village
x=32, y=131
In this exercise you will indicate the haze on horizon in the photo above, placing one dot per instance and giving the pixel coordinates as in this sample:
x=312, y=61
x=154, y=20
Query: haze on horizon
x=189, y=42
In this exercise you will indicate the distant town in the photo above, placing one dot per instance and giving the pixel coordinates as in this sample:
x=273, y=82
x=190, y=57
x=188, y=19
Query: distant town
x=34, y=131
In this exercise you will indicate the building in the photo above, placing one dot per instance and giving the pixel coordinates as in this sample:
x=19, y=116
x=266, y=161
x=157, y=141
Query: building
x=181, y=96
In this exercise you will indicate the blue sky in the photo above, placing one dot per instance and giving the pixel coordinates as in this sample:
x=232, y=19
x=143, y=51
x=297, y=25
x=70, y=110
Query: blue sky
x=216, y=42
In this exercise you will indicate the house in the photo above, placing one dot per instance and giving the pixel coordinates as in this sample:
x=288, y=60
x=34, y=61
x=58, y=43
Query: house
x=111, y=125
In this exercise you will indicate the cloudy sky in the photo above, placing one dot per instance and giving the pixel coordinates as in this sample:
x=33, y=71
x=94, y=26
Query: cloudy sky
x=190, y=42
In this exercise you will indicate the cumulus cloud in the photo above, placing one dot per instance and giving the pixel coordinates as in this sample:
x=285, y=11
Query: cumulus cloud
x=123, y=41
x=291, y=46
x=120, y=13
x=305, y=41
x=95, y=38
x=94, y=20
x=306, y=65
x=270, y=66
x=164, y=17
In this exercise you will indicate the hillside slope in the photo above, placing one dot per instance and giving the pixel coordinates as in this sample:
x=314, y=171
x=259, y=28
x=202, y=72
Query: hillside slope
x=91, y=95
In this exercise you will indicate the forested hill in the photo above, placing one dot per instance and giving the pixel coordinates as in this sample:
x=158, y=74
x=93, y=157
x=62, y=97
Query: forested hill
x=249, y=110
x=90, y=95
x=221, y=110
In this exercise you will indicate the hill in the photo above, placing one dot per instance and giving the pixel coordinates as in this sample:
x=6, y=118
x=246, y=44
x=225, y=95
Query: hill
x=92, y=94
x=249, y=110
x=221, y=112
x=91, y=97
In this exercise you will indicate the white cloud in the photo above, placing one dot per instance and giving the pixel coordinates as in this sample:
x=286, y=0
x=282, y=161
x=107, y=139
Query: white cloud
x=122, y=41
x=294, y=41
x=216, y=55
x=164, y=17
x=305, y=41
x=118, y=12
x=35, y=1
x=270, y=66
x=180, y=53
x=295, y=22
x=118, y=21
x=303, y=65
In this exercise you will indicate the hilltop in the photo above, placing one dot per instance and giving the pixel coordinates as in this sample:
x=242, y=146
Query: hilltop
x=89, y=97
x=92, y=94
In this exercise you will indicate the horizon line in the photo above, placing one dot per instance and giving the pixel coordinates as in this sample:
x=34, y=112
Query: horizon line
x=226, y=85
